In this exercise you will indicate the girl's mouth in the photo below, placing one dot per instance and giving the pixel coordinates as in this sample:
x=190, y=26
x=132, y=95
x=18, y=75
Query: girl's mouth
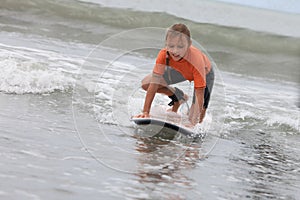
x=176, y=56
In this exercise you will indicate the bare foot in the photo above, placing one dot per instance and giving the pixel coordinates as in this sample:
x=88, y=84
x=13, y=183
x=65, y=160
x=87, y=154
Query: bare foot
x=177, y=104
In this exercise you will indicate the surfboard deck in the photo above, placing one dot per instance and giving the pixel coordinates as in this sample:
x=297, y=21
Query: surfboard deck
x=172, y=127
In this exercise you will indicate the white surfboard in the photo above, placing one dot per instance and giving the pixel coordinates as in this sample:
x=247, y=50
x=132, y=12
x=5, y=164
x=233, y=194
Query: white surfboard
x=163, y=121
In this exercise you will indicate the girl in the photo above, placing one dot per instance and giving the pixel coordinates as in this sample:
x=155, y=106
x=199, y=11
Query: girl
x=177, y=62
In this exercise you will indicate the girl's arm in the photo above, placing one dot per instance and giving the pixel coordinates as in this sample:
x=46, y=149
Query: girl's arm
x=151, y=91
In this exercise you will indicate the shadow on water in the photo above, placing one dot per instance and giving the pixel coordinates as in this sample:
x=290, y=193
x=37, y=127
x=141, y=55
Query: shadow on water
x=161, y=165
x=166, y=133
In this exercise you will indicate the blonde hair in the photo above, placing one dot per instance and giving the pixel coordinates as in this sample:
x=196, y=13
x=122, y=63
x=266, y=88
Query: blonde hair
x=179, y=29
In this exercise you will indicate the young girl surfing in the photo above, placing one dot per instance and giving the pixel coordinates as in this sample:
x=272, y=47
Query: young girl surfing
x=180, y=61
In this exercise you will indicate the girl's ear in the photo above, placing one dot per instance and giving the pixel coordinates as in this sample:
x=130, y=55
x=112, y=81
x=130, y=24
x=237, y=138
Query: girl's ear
x=190, y=43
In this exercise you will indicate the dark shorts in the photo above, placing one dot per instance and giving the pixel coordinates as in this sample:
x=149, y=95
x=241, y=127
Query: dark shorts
x=171, y=76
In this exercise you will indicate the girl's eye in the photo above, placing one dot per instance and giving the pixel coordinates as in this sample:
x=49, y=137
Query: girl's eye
x=180, y=47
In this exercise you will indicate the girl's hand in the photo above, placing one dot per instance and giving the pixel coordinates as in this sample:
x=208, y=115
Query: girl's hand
x=189, y=125
x=194, y=120
x=143, y=115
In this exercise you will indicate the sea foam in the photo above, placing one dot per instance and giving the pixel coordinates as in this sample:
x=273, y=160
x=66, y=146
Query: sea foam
x=19, y=76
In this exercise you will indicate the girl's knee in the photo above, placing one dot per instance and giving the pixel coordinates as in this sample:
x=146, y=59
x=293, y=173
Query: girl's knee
x=145, y=82
x=145, y=86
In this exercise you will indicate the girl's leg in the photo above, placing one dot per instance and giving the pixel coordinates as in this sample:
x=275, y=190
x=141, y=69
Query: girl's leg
x=165, y=88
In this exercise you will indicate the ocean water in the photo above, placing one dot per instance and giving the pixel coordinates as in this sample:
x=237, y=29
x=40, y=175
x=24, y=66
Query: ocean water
x=70, y=81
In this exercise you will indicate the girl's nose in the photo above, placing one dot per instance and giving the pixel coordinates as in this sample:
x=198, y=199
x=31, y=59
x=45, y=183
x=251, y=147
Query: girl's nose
x=175, y=50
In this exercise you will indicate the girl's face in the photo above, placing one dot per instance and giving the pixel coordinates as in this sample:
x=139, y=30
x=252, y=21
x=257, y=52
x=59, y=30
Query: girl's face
x=177, y=46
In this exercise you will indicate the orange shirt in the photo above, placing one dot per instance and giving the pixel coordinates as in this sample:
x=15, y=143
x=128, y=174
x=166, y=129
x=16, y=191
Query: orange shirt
x=194, y=66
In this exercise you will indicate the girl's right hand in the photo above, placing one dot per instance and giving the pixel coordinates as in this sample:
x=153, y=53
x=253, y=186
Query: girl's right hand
x=143, y=115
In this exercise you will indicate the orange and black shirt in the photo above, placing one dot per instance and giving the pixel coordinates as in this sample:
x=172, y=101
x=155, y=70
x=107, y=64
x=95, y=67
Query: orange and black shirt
x=194, y=66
